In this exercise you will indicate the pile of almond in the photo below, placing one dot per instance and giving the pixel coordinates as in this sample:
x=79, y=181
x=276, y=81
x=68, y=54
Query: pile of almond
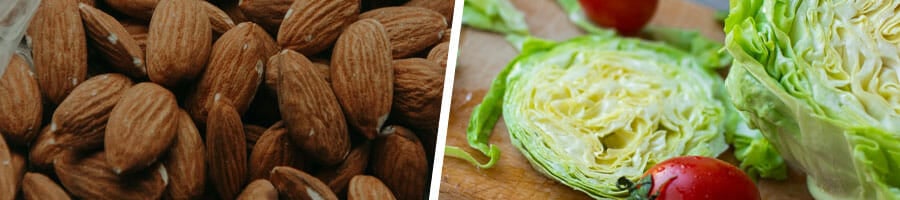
x=226, y=99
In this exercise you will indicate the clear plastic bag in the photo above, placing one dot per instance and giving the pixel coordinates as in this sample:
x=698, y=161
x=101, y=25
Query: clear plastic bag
x=15, y=16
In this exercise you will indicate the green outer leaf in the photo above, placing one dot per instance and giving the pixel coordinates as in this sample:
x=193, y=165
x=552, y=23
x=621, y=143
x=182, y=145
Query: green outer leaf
x=709, y=53
x=494, y=15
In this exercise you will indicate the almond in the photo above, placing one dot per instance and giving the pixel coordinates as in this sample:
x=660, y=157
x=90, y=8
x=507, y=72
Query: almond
x=266, y=13
x=310, y=110
x=113, y=41
x=226, y=150
x=447, y=34
x=399, y=160
x=178, y=43
x=59, y=48
x=80, y=120
x=140, y=127
x=311, y=26
x=418, y=88
x=411, y=29
x=8, y=182
x=338, y=177
x=219, y=21
x=186, y=163
x=260, y=189
x=138, y=31
x=20, y=102
x=140, y=9
x=36, y=186
x=45, y=149
x=445, y=7
x=252, y=133
x=295, y=184
x=364, y=187
x=274, y=148
x=439, y=54
x=272, y=74
x=235, y=70
x=19, y=165
x=362, y=76
x=89, y=177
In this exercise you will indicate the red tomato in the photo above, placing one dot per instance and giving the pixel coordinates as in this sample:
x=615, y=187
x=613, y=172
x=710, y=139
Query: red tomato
x=696, y=177
x=628, y=17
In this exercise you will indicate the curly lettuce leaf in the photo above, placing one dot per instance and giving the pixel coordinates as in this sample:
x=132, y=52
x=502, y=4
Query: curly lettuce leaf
x=494, y=15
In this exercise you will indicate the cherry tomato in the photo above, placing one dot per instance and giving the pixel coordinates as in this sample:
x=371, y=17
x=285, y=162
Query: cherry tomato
x=695, y=177
x=628, y=17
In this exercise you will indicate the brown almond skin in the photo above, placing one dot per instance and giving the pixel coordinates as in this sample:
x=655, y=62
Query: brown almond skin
x=89, y=177
x=418, y=91
x=45, y=149
x=113, y=42
x=439, y=54
x=8, y=176
x=364, y=187
x=274, y=148
x=219, y=21
x=226, y=150
x=338, y=177
x=311, y=26
x=295, y=184
x=398, y=159
x=138, y=31
x=186, y=164
x=178, y=43
x=80, y=120
x=362, y=76
x=411, y=29
x=310, y=110
x=235, y=70
x=260, y=189
x=36, y=186
x=266, y=13
x=21, y=103
x=140, y=127
x=59, y=48
x=444, y=7
x=252, y=133
x=19, y=165
x=140, y=9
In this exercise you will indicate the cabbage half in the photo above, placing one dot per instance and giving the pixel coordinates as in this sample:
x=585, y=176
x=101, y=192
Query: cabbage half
x=595, y=108
x=821, y=80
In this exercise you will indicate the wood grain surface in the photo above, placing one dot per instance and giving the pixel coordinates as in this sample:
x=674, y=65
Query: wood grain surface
x=483, y=54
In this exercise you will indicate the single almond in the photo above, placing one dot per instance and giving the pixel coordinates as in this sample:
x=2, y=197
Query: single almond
x=113, y=41
x=59, y=48
x=89, y=177
x=219, y=21
x=355, y=164
x=364, y=187
x=8, y=182
x=418, y=91
x=21, y=103
x=186, y=164
x=260, y=189
x=362, y=76
x=411, y=29
x=178, y=43
x=235, y=70
x=267, y=13
x=274, y=148
x=311, y=26
x=445, y=7
x=310, y=110
x=45, y=149
x=226, y=150
x=37, y=186
x=80, y=120
x=19, y=165
x=398, y=159
x=140, y=9
x=439, y=54
x=295, y=184
x=140, y=127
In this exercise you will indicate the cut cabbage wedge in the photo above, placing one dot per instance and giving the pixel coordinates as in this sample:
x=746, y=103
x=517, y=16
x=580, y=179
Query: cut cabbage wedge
x=821, y=80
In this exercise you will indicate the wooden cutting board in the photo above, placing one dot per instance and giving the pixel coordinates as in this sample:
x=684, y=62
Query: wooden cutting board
x=483, y=54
